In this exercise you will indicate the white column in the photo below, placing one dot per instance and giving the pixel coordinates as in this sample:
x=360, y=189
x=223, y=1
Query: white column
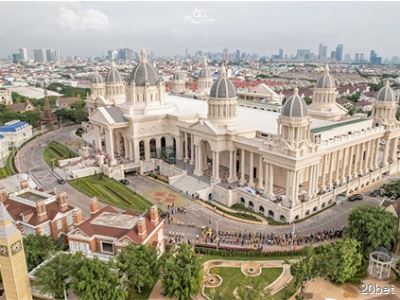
x=242, y=161
x=231, y=177
x=271, y=179
x=191, y=149
x=331, y=155
x=186, y=159
x=351, y=161
x=178, y=147
x=394, y=149
x=323, y=176
x=217, y=178
x=147, y=149
x=310, y=181
x=251, y=171
x=110, y=142
x=260, y=173
x=344, y=163
x=136, y=151
x=386, y=152
x=97, y=138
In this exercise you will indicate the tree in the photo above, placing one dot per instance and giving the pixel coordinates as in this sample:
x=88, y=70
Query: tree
x=307, y=100
x=138, y=266
x=94, y=280
x=372, y=227
x=54, y=277
x=38, y=248
x=306, y=268
x=182, y=273
x=343, y=260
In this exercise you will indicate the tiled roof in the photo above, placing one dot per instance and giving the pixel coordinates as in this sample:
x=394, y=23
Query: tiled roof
x=91, y=229
x=14, y=127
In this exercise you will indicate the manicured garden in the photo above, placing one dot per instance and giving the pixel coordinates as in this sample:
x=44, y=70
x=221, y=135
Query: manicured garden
x=233, y=277
x=56, y=151
x=110, y=191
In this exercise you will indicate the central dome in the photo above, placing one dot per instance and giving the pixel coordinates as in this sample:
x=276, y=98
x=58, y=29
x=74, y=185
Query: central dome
x=223, y=87
x=205, y=71
x=97, y=79
x=326, y=81
x=295, y=107
x=144, y=73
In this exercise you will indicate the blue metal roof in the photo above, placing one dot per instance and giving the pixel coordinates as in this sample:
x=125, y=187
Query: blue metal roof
x=13, y=127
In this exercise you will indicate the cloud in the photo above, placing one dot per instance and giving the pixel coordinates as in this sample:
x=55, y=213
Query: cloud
x=79, y=18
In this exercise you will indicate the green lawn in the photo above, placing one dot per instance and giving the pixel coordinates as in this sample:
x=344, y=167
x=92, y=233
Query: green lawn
x=55, y=150
x=8, y=169
x=112, y=192
x=232, y=277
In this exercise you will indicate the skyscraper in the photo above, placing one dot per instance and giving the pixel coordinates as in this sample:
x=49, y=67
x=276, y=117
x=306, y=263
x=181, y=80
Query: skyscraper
x=23, y=54
x=339, y=52
x=280, y=55
x=237, y=55
x=39, y=55
x=322, y=51
x=374, y=59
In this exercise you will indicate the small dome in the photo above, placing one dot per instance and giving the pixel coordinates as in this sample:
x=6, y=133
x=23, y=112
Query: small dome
x=326, y=81
x=295, y=107
x=386, y=94
x=144, y=73
x=113, y=75
x=223, y=87
x=97, y=79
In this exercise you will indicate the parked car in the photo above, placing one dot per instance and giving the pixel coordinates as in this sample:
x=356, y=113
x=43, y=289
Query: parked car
x=124, y=181
x=60, y=181
x=355, y=197
x=375, y=193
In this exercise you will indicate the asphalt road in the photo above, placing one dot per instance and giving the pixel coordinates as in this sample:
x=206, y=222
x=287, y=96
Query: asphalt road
x=30, y=160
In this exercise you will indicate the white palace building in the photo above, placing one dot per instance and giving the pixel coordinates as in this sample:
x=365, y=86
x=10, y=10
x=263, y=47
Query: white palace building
x=285, y=165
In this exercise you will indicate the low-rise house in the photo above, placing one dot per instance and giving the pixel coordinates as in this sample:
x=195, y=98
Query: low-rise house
x=66, y=102
x=107, y=231
x=21, y=107
x=40, y=213
x=5, y=96
x=16, y=132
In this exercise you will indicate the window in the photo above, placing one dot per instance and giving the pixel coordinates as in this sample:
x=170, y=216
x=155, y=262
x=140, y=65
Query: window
x=59, y=224
x=107, y=247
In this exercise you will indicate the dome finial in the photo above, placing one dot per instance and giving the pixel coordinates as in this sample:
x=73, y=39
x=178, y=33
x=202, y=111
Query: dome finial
x=113, y=65
x=223, y=70
x=296, y=91
x=143, y=55
x=326, y=68
x=387, y=83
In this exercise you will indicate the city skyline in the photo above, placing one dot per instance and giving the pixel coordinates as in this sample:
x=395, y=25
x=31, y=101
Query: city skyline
x=264, y=28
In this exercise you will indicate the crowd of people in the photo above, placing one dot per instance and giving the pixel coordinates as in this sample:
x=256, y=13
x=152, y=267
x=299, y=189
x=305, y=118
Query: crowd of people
x=260, y=239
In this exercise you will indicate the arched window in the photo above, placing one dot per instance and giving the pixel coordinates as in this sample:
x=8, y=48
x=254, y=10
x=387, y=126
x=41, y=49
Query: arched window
x=242, y=200
x=271, y=213
x=251, y=205
x=142, y=150
x=261, y=209
x=153, y=149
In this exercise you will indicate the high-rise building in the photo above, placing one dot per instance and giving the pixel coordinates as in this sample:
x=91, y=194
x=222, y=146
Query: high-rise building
x=16, y=58
x=280, y=54
x=112, y=54
x=322, y=51
x=237, y=55
x=23, y=53
x=339, y=52
x=125, y=54
x=347, y=57
x=374, y=59
x=303, y=54
x=225, y=56
x=39, y=55
x=53, y=55
x=186, y=53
